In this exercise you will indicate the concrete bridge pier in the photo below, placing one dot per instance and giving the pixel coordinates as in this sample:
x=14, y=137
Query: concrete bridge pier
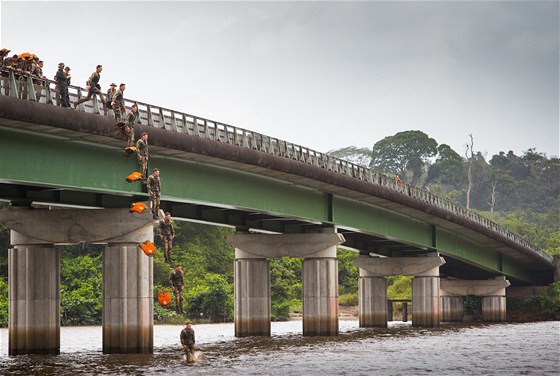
x=320, y=294
x=372, y=301
x=494, y=306
x=492, y=291
x=128, y=296
x=34, y=296
x=252, y=295
x=452, y=308
x=425, y=300
x=425, y=288
x=319, y=280
x=34, y=276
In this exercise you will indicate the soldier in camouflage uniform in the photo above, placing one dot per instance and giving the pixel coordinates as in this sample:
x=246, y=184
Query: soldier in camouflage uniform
x=166, y=234
x=61, y=86
x=117, y=103
x=154, y=189
x=93, y=87
x=187, y=341
x=176, y=279
x=131, y=119
x=110, y=92
x=142, y=154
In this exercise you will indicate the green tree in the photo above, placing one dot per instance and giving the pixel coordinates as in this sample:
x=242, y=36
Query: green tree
x=348, y=273
x=359, y=156
x=403, y=152
x=448, y=170
x=214, y=301
x=81, y=288
x=3, y=303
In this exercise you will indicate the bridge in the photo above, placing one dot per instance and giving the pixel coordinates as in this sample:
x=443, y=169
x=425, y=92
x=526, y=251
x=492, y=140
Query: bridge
x=283, y=199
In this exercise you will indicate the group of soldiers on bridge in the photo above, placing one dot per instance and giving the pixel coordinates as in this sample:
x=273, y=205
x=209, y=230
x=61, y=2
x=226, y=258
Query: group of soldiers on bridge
x=29, y=66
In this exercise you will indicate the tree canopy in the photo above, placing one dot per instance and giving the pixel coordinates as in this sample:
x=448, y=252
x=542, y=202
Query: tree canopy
x=407, y=151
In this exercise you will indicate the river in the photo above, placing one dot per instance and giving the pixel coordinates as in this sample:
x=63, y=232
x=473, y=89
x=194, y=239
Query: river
x=473, y=349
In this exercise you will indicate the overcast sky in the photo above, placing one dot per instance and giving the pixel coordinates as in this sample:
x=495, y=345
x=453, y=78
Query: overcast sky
x=324, y=75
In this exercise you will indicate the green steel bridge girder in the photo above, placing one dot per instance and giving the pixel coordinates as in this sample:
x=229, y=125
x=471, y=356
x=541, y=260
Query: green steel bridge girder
x=80, y=166
x=75, y=169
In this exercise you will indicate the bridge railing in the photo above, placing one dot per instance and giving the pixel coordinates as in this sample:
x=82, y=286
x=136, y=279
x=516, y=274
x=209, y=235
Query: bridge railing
x=45, y=91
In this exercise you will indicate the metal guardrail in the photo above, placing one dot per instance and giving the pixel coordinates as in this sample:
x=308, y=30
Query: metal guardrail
x=20, y=86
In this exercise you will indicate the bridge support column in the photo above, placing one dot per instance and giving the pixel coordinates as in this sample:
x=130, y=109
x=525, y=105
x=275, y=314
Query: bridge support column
x=320, y=295
x=372, y=301
x=451, y=308
x=425, y=301
x=252, y=296
x=34, y=297
x=319, y=280
x=494, y=306
x=425, y=284
x=492, y=291
x=128, y=296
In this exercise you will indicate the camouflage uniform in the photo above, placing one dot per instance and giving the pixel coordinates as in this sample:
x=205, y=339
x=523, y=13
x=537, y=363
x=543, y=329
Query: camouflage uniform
x=94, y=88
x=38, y=74
x=118, y=106
x=110, y=92
x=154, y=189
x=167, y=233
x=142, y=153
x=187, y=340
x=62, y=88
x=176, y=279
x=129, y=128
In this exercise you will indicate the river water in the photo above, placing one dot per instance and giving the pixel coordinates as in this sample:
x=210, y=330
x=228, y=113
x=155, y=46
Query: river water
x=474, y=349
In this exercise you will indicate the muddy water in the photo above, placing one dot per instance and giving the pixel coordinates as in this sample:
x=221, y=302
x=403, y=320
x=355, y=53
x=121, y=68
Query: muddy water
x=498, y=349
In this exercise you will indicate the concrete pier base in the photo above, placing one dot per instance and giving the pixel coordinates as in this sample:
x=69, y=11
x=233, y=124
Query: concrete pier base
x=372, y=301
x=320, y=296
x=494, y=308
x=34, y=297
x=127, y=300
x=425, y=301
x=452, y=308
x=252, y=297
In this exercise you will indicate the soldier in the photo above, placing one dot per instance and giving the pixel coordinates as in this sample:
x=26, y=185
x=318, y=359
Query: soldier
x=61, y=86
x=110, y=92
x=68, y=81
x=129, y=125
x=187, y=341
x=3, y=53
x=166, y=234
x=176, y=279
x=142, y=153
x=38, y=73
x=93, y=87
x=4, y=63
x=117, y=103
x=154, y=189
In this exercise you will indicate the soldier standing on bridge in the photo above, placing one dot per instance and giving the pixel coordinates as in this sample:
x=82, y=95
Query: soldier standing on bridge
x=93, y=87
x=154, y=189
x=61, y=86
x=176, y=279
x=142, y=153
x=117, y=103
x=110, y=92
x=68, y=80
x=166, y=234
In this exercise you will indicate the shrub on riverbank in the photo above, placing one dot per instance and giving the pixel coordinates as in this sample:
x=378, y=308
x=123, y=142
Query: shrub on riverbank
x=541, y=307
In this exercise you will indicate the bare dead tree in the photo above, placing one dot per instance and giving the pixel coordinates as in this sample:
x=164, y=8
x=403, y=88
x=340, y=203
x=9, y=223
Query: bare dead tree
x=492, y=201
x=469, y=174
